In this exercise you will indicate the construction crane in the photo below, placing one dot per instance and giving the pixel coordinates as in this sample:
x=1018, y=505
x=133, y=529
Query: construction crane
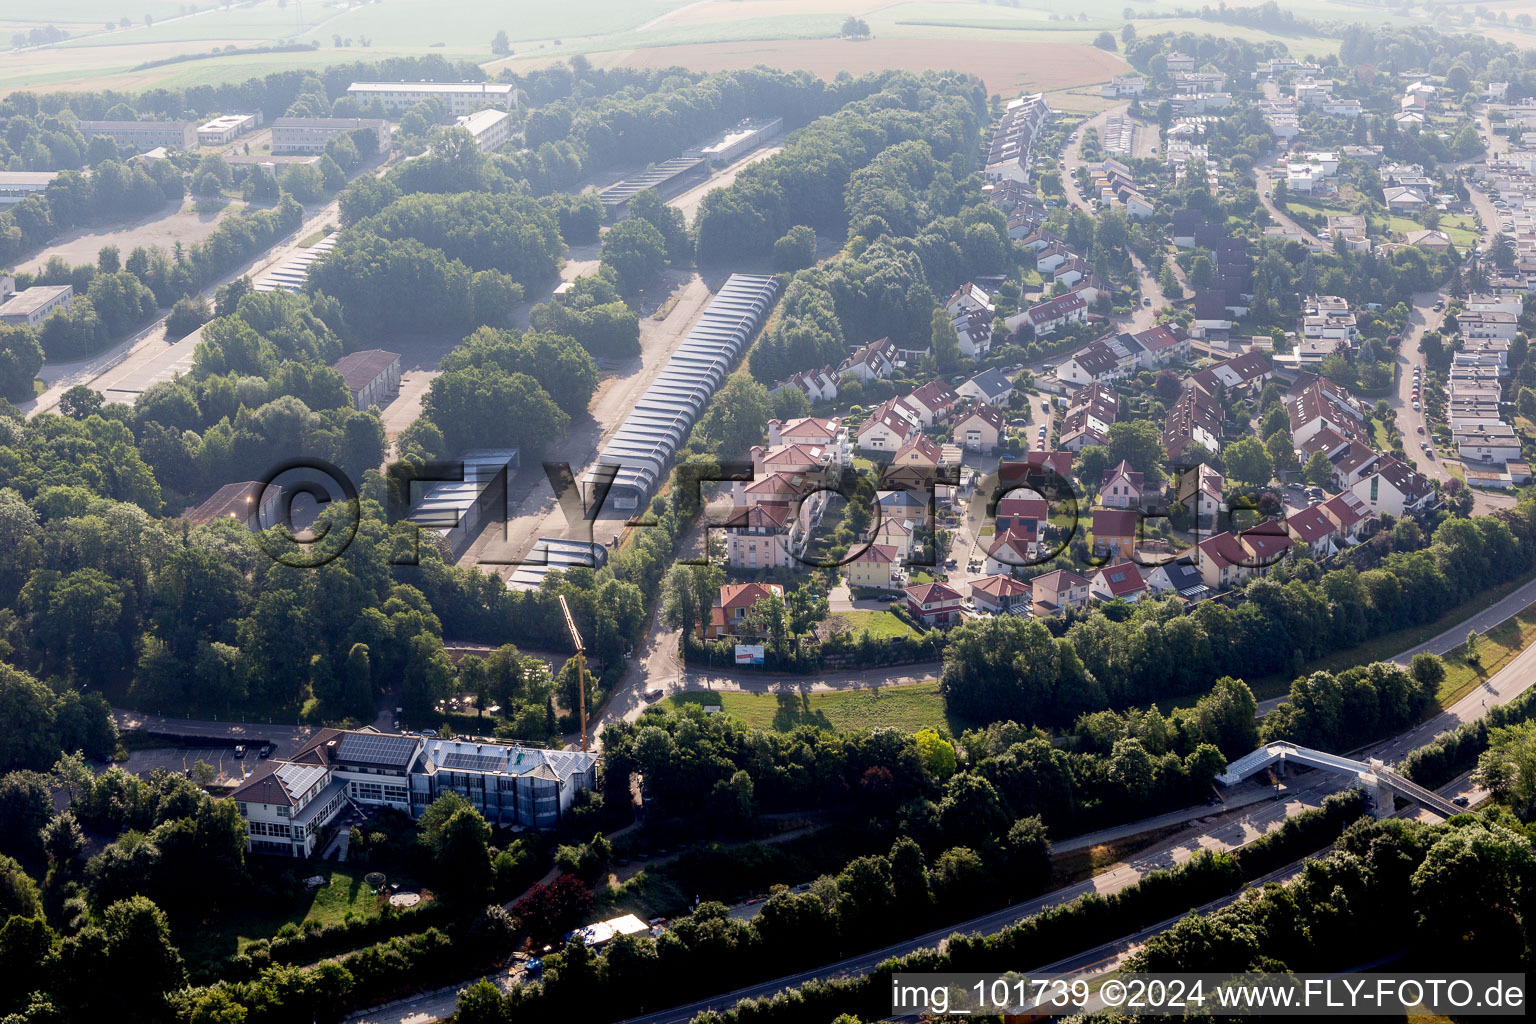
x=581, y=666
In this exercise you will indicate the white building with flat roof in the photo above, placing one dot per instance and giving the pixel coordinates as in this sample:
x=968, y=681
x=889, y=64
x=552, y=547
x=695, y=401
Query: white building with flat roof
x=456, y=97
x=143, y=135
x=491, y=129
x=17, y=185
x=31, y=306
x=227, y=128
x=312, y=134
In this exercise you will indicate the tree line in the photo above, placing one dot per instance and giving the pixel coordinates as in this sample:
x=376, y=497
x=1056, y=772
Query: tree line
x=1117, y=657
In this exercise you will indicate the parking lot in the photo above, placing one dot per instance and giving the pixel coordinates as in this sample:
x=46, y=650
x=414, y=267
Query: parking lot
x=181, y=759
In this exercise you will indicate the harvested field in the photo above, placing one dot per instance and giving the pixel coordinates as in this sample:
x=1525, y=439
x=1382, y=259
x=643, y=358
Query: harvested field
x=1007, y=67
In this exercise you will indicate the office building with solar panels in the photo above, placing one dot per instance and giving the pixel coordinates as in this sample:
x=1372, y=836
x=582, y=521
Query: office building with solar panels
x=286, y=805
x=642, y=449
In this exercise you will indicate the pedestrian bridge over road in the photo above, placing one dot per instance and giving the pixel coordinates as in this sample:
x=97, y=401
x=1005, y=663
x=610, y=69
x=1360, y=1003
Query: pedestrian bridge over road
x=1373, y=776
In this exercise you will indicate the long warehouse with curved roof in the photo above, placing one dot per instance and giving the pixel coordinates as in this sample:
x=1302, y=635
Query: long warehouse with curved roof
x=643, y=447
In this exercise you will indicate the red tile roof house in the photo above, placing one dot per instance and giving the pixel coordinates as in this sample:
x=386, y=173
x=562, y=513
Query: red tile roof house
x=873, y=566
x=735, y=600
x=934, y=402
x=1266, y=545
x=1114, y=531
x=886, y=429
x=935, y=604
x=763, y=535
x=1313, y=530
x=1058, y=591
x=980, y=430
x=1121, y=580
x=1001, y=594
x=1020, y=511
x=1121, y=487
x=1349, y=513
x=1220, y=560
x=1011, y=549
x=1061, y=462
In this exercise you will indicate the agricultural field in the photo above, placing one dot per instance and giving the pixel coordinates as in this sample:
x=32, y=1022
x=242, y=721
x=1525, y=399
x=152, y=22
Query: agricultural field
x=1029, y=45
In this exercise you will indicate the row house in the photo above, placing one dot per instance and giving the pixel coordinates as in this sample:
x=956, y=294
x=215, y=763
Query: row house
x=1396, y=488
x=1495, y=325
x=1230, y=559
x=764, y=536
x=1195, y=418
x=1046, y=317
x=1322, y=404
x=1011, y=150
x=875, y=361
x=1096, y=362
x=1247, y=371
x=1090, y=414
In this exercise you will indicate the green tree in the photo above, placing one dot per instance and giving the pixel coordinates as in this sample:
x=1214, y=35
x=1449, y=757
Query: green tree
x=1105, y=41
x=636, y=252
x=946, y=344
x=1318, y=471
x=1282, y=456
x=796, y=248
x=936, y=753
x=1247, y=460
x=1140, y=443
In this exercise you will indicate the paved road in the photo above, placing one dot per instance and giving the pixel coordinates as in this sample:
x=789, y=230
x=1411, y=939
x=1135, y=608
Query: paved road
x=1072, y=157
x=125, y=357
x=1261, y=171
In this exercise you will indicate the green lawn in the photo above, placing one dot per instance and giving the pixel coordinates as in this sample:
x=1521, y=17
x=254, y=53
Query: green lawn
x=1458, y=226
x=908, y=707
x=344, y=891
x=881, y=625
x=1497, y=648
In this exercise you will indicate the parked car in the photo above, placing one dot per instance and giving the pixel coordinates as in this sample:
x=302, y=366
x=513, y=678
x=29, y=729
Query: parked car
x=239, y=751
x=653, y=694
x=1147, y=301
x=1266, y=194
x=1416, y=406
x=1460, y=801
x=1421, y=430
x=1045, y=406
